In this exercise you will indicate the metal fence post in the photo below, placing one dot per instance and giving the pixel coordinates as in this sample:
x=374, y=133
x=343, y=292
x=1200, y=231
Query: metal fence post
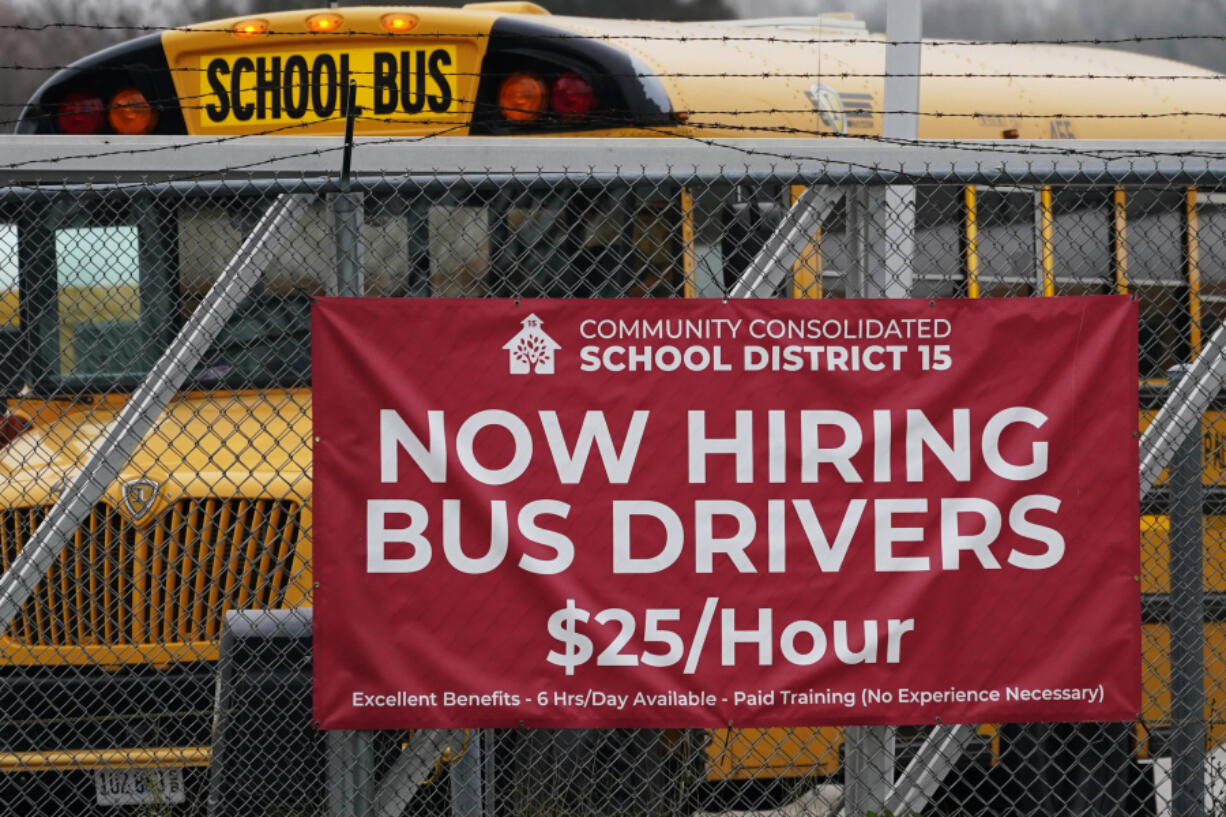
x=347, y=216
x=868, y=762
x=892, y=210
x=351, y=784
x=1187, y=630
x=465, y=779
x=347, y=213
x=868, y=769
x=351, y=774
x=890, y=220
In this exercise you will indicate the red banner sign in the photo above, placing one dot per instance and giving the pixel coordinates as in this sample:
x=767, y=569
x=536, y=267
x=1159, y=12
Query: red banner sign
x=694, y=513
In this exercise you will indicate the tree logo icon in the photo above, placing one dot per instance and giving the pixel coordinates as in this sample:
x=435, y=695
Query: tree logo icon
x=531, y=350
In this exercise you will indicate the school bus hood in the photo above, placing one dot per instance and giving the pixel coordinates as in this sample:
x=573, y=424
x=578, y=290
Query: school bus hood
x=251, y=444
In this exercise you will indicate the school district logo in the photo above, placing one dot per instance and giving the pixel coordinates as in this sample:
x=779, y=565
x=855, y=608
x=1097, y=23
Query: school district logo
x=531, y=350
x=829, y=106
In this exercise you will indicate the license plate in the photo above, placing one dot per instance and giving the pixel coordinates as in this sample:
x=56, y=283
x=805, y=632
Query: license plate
x=132, y=787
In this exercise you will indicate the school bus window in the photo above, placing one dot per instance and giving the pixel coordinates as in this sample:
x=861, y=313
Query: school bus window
x=210, y=235
x=1077, y=244
x=11, y=359
x=1156, y=276
x=98, y=282
x=605, y=250
x=541, y=239
x=555, y=244
x=657, y=249
x=847, y=249
x=938, y=224
x=748, y=220
x=838, y=251
x=1155, y=232
x=9, y=315
x=1212, y=261
x=266, y=340
x=1006, y=240
x=459, y=242
x=387, y=249
x=705, y=204
x=1162, y=343
x=1081, y=241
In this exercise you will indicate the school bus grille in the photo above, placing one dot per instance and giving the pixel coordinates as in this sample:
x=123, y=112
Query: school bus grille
x=170, y=581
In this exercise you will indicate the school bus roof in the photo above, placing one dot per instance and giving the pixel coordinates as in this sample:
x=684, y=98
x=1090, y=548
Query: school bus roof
x=969, y=90
x=439, y=73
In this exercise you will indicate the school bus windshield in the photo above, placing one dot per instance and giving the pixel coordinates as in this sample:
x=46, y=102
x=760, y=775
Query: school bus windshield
x=109, y=292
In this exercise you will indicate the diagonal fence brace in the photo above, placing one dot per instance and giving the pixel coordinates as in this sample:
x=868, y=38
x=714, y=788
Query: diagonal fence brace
x=785, y=245
x=1182, y=411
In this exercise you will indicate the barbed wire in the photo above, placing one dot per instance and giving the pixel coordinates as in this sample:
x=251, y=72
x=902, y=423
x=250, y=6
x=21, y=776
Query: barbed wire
x=214, y=172
x=162, y=103
x=741, y=35
x=719, y=119
x=449, y=126
x=626, y=121
x=134, y=151
x=1002, y=147
x=1205, y=75
x=852, y=109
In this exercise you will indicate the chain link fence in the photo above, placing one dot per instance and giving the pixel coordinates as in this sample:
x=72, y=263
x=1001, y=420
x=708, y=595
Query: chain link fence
x=155, y=447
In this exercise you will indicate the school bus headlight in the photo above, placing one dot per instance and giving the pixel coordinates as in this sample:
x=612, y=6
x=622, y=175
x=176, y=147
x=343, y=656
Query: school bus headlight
x=250, y=28
x=398, y=23
x=324, y=23
x=522, y=97
x=130, y=113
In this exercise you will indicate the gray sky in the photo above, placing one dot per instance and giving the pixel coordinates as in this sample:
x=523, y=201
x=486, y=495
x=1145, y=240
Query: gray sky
x=1044, y=19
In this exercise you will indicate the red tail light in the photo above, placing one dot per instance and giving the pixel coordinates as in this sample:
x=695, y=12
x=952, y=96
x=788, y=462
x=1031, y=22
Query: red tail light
x=12, y=426
x=80, y=113
x=571, y=96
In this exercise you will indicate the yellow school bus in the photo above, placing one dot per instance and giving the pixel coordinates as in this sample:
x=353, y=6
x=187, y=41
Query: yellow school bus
x=213, y=514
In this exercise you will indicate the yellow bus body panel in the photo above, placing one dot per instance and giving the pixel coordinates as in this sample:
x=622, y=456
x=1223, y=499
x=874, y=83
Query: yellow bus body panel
x=731, y=81
x=242, y=454
x=8, y=308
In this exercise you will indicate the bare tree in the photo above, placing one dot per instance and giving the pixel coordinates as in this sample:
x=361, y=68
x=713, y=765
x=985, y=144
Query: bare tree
x=39, y=38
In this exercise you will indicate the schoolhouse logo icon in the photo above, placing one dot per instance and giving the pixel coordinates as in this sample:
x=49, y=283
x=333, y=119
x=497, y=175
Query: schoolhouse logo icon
x=531, y=350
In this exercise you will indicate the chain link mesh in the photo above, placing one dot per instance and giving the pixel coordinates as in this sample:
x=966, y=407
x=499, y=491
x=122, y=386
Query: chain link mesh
x=162, y=660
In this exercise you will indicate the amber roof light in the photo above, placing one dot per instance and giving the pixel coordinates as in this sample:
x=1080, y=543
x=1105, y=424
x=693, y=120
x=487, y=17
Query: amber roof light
x=398, y=22
x=325, y=23
x=249, y=29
